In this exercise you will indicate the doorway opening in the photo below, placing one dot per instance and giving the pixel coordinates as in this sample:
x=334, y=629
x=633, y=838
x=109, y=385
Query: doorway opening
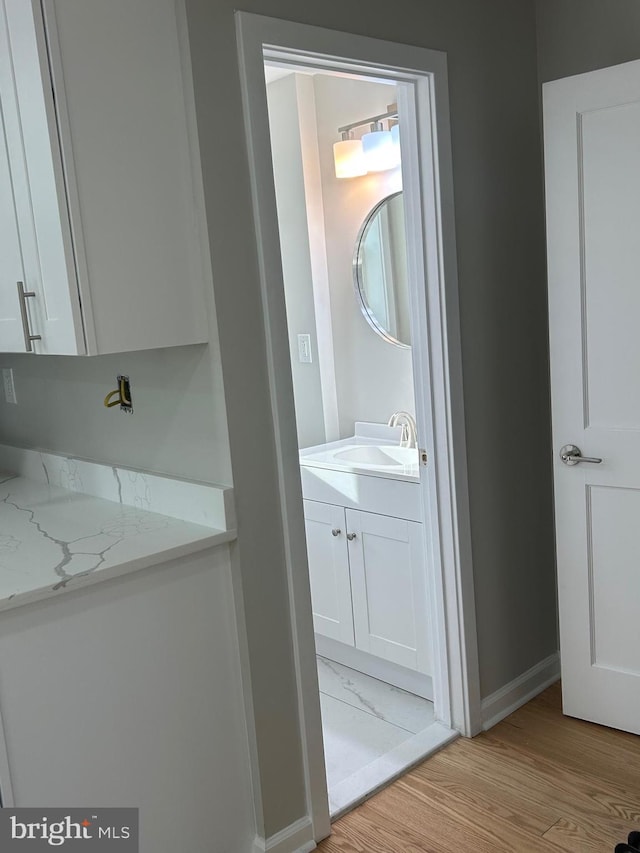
x=344, y=262
x=360, y=303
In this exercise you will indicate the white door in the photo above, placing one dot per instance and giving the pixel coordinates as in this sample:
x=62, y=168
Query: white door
x=389, y=589
x=329, y=571
x=592, y=163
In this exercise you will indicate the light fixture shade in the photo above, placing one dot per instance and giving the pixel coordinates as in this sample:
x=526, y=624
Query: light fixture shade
x=380, y=153
x=395, y=138
x=348, y=159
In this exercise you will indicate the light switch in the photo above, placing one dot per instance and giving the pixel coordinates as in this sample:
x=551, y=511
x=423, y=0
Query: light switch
x=304, y=349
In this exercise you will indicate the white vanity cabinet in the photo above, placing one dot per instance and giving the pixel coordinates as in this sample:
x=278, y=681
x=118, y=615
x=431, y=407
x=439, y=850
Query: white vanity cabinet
x=368, y=586
x=100, y=196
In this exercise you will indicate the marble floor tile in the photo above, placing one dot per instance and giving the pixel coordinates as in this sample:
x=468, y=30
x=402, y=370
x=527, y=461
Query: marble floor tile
x=374, y=697
x=354, y=738
x=353, y=790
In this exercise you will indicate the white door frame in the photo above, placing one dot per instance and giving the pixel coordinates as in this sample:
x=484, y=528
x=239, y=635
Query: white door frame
x=423, y=103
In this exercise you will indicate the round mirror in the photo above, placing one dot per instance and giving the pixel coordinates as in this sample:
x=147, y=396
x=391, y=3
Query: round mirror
x=380, y=271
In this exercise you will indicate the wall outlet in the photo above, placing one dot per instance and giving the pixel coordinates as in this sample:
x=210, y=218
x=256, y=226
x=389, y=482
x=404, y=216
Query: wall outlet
x=304, y=349
x=126, y=403
x=9, y=387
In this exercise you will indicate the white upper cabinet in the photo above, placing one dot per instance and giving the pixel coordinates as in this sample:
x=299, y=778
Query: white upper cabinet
x=11, y=338
x=99, y=170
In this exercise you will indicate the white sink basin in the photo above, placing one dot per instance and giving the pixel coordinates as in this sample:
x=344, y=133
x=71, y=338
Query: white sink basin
x=362, y=455
x=386, y=456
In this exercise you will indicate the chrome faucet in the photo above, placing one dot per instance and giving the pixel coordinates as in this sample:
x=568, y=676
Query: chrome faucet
x=409, y=434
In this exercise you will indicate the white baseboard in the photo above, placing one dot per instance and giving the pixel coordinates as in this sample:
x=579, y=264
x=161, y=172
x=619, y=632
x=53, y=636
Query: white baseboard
x=295, y=838
x=521, y=690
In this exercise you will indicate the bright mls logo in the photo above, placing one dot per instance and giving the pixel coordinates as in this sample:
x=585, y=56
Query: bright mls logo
x=34, y=830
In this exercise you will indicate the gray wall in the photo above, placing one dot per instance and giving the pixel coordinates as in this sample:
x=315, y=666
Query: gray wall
x=178, y=425
x=491, y=48
x=575, y=36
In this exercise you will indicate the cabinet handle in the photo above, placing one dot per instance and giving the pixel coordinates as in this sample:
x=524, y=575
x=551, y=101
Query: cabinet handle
x=351, y=536
x=23, y=295
x=336, y=531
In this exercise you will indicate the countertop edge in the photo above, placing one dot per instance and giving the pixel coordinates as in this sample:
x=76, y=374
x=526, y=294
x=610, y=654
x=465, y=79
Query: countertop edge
x=158, y=558
x=361, y=472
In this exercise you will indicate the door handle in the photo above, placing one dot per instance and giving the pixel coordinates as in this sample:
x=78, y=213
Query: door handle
x=23, y=295
x=571, y=455
x=336, y=531
x=351, y=536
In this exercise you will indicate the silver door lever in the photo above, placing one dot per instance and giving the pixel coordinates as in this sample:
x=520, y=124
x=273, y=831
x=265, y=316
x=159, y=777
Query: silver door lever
x=571, y=455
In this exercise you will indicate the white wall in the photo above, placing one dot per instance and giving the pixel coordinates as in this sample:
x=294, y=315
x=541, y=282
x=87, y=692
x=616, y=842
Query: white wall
x=178, y=425
x=370, y=377
x=286, y=113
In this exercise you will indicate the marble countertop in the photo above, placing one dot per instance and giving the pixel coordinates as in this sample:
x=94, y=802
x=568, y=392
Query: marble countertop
x=53, y=539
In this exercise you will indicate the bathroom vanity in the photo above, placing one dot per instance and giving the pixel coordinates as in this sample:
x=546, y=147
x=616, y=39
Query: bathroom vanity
x=367, y=556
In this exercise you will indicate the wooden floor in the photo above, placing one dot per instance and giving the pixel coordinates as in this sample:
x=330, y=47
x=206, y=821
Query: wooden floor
x=536, y=782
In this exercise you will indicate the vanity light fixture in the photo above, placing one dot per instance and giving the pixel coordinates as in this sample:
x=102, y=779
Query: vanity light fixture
x=348, y=157
x=395, y=138
x=377, y=151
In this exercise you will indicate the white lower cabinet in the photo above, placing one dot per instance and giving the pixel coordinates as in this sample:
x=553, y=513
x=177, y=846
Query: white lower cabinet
x=368, y=582
x=123, y=716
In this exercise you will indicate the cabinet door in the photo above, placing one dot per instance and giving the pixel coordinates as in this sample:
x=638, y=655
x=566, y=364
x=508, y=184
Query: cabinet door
x=31, y=138
x=11, y=268
x=329, y=571
x=122, y=79
x=388, y=579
